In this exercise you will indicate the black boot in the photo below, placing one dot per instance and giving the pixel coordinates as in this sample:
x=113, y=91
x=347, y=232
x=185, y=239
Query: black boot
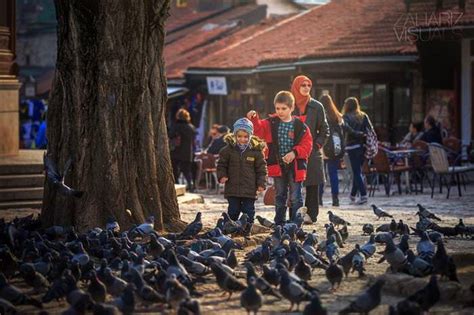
x=335, y=201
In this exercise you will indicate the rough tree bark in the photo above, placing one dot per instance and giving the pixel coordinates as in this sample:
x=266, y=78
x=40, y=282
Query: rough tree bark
x=107, y=112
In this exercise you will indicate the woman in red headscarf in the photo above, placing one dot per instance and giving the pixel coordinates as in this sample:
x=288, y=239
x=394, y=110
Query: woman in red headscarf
x=312, y=113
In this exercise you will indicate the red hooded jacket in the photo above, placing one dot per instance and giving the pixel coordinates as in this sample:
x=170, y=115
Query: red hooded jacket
x=267, y=129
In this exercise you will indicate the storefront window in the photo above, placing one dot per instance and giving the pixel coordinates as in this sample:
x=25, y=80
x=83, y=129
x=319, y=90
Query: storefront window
x=367, y=99
x=401, y=111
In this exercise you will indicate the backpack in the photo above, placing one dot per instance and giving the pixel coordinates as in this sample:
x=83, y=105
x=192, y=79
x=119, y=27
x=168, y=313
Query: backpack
x=371, y=143
x=335, y=147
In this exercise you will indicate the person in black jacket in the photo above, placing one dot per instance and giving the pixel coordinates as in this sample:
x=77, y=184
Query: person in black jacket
x=311, y=112
x=182, y=147
x=360, y=122
x=334, y=148
x=432, y=131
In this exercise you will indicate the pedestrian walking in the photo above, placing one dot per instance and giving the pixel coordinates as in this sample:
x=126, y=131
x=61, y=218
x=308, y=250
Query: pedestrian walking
x=360, y=122
x=311, y=112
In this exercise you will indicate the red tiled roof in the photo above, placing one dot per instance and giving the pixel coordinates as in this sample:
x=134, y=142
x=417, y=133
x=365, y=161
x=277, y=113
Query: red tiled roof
x=180, y=17
x=196, y=42
x=339, y=28
x=423, y=14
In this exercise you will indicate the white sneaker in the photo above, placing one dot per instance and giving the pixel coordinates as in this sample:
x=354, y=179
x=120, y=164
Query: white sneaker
x=352, y=200
x=362, y=200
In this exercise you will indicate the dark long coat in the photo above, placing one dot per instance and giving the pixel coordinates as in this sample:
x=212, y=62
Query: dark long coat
x=318, y=125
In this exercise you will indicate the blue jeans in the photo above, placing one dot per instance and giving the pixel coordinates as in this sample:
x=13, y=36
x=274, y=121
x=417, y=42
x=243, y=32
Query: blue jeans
x=287, y=180
x=332, y=167
x=356, y=156
x=239, y=205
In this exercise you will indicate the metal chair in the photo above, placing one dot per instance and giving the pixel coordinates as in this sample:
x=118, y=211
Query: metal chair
x=209, y=168
x=442, y=169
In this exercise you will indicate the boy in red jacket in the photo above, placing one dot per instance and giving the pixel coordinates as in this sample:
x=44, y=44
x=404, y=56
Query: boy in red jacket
x=289, y=144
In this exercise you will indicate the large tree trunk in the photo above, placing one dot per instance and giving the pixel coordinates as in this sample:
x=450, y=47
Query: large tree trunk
x=107, y=112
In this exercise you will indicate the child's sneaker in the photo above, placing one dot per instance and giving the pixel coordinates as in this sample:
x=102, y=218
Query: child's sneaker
x=363, y=200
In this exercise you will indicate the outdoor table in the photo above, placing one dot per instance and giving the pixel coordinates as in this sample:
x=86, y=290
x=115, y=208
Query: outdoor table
x=405, y=154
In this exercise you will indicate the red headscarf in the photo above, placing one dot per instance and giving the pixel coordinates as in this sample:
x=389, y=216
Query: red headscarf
x=301, y=101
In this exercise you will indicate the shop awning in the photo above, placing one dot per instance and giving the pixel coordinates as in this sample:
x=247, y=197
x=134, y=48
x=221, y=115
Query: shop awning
x=175, y=91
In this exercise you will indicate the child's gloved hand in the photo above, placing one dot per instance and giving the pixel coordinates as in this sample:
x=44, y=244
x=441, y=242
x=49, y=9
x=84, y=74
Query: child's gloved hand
x=223, y=180
x=289, y=157
x=260, y=189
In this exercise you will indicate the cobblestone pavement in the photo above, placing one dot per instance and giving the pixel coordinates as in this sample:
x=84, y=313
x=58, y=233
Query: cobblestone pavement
x=401, y=207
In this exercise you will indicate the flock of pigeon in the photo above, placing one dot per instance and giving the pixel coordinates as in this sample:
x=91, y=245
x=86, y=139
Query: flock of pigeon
x=110, y=271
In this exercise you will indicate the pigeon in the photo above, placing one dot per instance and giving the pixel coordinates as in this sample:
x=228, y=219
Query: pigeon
x=369, y=248
x=112, y=225
x=358, y=261
x=314, y=307
x=425, y=213
x=425, y=248
x=334, y=274
x=344, y=233
x=394, y=256
x=57, y=180
x=230, y=226
x=330, y=230
x=61, y=287
x=443, y=264
x=265, y=222
x=250, y=298
x=271, y=275
x=260, y=257
x=336, y=220
x=367, y=229
x=194, y=267
x=155, y=248
x=261, y=283
x=115, y=286
x=383, y=228
x=346, y=261
x=312, y=258
x=14, y=295
x=226, y=281
x=405, y=307
x=144, y=291
x=292, y=290
x=79, y=302
x=10, y=263
x=403, y=245
x=189, y=307
x=331, y=248
x=34, y=278
x=96, y=289
x=193, y=228
x=126, y=302
x=417, y=266
x=380, y=213
x=303, y=270
x=146, y=227
x=402, y=228
x=175, y=292
x=232, y=259
x=428, y=296
x=367, y=301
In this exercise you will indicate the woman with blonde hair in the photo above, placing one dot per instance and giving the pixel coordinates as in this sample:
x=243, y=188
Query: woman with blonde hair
x=359, y=122
x=334, y=148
